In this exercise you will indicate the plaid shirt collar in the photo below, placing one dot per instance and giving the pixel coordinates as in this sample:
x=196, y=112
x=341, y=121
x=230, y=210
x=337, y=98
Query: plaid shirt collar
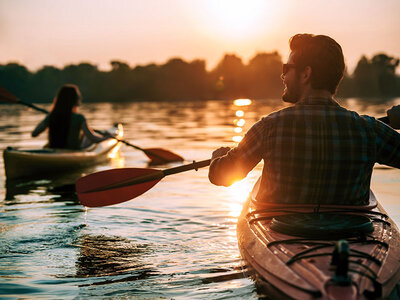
x=317, y=101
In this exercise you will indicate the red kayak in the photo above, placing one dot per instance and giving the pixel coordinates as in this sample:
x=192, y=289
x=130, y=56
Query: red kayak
x=320, y=252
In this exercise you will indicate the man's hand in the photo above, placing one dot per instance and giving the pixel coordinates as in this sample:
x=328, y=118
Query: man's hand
x=220, y=152
x=394, y=116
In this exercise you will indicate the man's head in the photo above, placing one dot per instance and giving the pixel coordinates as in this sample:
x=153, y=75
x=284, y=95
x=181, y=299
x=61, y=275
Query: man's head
x=316, y=62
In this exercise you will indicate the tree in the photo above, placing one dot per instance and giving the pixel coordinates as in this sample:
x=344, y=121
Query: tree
x=45, y=83
x=15, y=78
x=180, y=80
x=229, y=77
x=376, y=77
x=264, y=75
x=384, y=68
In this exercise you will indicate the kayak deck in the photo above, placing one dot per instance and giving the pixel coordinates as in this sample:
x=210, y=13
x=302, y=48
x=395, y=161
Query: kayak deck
x=303, y=267
x=19, y=163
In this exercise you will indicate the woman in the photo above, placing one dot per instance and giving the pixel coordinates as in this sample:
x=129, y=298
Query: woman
x=67, y=128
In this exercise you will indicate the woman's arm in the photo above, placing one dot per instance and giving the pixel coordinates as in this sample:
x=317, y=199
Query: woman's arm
x=41, y=127
x=92, y=136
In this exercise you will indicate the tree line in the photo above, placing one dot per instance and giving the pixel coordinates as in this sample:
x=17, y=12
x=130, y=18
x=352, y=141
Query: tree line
x=181, y=80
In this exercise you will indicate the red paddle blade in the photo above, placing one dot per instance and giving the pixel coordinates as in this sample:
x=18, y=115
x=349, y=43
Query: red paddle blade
x=115, y=186
x=7, y=96
x=160, y=156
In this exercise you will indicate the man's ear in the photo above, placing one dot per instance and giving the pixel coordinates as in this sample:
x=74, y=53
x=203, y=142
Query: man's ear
x=306, y=74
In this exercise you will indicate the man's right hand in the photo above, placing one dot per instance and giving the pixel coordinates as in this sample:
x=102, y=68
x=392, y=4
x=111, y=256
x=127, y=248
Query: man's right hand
x=394, y=116
x=220, y=152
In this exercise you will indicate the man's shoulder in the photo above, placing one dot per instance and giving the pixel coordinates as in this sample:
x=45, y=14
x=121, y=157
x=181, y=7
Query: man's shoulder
x=280, y=113
x=340, y=111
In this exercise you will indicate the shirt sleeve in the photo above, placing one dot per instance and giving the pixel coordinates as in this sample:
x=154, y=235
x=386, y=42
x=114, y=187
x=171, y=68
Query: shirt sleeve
x=239, y=161
x=387, y=145
x=41, y=127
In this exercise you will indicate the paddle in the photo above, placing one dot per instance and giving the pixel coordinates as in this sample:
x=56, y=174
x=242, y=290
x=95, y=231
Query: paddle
x=8, y=97
x=119, y=185
x=156, y=155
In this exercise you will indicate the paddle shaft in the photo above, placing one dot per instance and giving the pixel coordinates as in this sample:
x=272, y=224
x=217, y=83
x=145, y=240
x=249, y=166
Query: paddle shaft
x=33, y=106
x=184, y=168
x=131, y=145
x=156, y=175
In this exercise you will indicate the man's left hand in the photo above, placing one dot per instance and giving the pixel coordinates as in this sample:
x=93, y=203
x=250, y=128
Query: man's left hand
x=220, y=152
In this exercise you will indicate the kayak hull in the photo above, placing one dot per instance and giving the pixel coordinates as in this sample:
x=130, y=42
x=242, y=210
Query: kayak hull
x=22, y=163
x=292, y=267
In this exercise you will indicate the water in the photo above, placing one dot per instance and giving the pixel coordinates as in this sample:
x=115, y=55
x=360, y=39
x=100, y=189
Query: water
x=178, y=240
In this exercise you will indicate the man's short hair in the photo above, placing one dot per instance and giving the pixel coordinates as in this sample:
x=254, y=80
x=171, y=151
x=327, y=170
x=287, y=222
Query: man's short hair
x=325, y=57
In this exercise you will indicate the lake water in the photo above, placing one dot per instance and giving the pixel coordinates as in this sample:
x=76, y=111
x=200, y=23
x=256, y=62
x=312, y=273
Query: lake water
x=177, y=241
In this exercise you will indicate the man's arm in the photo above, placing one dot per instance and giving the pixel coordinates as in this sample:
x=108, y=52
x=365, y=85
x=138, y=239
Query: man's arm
x=228, y=166
x=225, y=169
x=394, y=117
x=387, y=145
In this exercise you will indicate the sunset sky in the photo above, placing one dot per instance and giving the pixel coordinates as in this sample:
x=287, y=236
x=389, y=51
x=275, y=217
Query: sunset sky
x=55, y=32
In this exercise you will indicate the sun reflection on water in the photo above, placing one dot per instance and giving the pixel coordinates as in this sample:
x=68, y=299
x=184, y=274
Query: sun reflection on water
x=239, y=113
x=242, y=102
x=117, y=160
x=240, y=121
x=237, y=138
x=238, y=193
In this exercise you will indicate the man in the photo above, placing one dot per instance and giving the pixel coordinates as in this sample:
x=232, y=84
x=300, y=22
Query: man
x=314, y=151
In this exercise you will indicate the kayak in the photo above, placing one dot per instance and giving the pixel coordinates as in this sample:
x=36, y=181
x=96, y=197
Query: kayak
x=19, y=163
x=307, y=251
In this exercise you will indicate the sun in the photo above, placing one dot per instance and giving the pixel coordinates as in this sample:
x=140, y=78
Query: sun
x=236, y=18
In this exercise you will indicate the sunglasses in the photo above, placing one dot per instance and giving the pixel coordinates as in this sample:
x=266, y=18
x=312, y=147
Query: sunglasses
x=286, y=68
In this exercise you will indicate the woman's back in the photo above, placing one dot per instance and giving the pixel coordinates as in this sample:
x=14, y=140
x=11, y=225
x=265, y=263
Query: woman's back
x=66, y=133
x=63, y=125
x=67, y=128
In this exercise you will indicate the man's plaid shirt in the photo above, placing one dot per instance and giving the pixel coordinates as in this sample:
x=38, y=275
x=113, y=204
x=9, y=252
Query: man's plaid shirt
x=314, y=152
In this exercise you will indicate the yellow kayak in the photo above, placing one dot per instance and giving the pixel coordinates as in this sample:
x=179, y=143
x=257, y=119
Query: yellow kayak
x=19, y=163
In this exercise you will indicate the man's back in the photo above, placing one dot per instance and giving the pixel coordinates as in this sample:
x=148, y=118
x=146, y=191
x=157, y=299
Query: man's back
x=317, y=152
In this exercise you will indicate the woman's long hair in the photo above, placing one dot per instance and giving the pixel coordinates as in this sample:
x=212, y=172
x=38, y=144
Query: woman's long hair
x=67, y=98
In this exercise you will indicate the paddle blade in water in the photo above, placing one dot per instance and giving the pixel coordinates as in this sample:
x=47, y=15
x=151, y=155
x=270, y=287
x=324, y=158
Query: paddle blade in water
x=160, y=156
x=115, y=186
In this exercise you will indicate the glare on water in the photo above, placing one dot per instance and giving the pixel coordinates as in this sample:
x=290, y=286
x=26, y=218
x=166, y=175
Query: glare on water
x=238, y=192
x=242, y=102
x=178, y=240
